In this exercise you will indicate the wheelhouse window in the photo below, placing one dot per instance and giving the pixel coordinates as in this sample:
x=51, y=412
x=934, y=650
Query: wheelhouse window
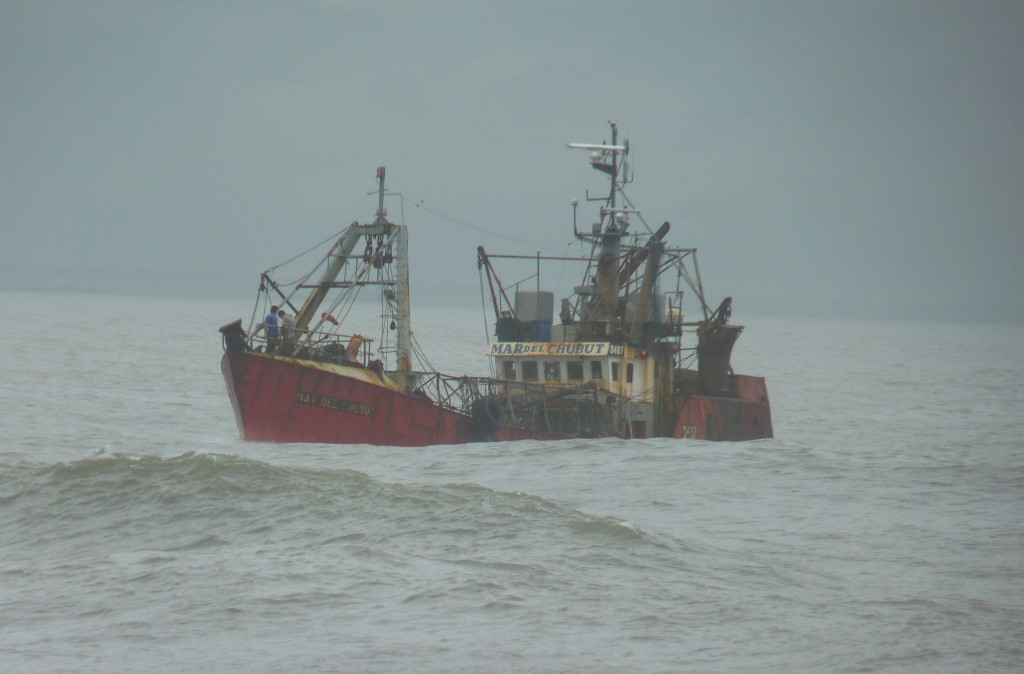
x=574, y=370
x=552, y=370
x=529, y=370
x=615, y=372
x=595, y=370
x=629, y=373
x=508, y=369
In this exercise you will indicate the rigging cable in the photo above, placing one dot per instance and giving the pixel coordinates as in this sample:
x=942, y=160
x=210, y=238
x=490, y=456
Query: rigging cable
x=422, y=203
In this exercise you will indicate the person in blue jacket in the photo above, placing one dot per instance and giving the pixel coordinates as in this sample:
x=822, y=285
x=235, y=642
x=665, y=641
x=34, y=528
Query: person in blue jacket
x=272, y=330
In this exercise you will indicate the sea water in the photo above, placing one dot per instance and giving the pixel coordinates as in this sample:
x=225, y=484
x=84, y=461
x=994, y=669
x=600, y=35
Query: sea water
x=880, y=531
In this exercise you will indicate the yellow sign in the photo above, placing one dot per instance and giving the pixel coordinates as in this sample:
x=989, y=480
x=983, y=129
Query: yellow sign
x=578, y=349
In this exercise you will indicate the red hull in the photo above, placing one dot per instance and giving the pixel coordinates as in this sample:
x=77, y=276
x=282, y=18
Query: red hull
x=280, y=399
x=748, y=416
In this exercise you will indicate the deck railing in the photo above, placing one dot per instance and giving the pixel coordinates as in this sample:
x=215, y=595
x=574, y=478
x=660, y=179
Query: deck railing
x=572, y=410
x=329, y=347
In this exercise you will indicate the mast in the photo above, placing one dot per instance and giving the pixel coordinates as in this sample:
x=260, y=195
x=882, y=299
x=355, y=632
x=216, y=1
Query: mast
x=399, y=235
x=340, y=255
x=403, y=303
x=604, y=305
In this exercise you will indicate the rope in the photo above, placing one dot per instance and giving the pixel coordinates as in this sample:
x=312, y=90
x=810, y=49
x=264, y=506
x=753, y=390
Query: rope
x=306, y=252
x=422, y=203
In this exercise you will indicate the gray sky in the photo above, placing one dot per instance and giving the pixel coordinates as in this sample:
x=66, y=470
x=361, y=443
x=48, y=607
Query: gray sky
x=823, y=156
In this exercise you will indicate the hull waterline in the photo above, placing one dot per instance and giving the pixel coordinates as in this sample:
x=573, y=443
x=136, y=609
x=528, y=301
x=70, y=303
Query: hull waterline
x=281, y=399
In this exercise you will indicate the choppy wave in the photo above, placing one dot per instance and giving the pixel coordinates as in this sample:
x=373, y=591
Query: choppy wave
x=111, y=534
x=154, y=499
x=111, y=537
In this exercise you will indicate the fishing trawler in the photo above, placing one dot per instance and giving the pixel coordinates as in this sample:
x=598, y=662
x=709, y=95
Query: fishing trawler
x=617, y=364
